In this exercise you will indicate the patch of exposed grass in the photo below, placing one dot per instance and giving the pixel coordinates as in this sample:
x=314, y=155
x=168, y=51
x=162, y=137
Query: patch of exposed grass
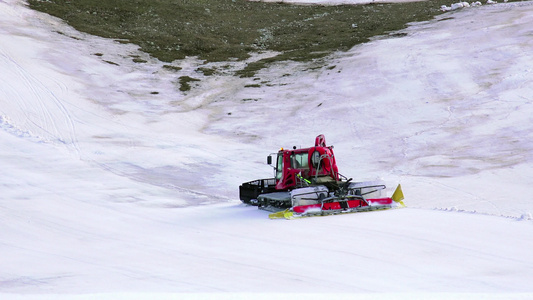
x=207, y=71
x=220, y=30
x=185, y=83
x=172, y=68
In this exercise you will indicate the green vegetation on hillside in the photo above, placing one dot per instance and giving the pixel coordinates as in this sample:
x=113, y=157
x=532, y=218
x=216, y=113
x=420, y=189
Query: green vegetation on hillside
x=221, y=30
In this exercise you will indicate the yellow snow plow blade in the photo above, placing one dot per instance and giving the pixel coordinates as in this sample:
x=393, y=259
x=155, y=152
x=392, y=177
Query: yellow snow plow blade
x=284, y=214
x=397, y=196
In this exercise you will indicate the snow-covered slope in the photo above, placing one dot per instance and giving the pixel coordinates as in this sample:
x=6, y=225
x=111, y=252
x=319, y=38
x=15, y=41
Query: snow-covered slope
x=115, y=183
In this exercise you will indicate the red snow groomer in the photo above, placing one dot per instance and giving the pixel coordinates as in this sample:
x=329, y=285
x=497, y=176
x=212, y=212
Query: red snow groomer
x=307, y=183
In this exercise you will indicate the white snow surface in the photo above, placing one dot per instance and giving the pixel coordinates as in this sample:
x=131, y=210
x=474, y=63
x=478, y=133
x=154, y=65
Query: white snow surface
x=116, y=185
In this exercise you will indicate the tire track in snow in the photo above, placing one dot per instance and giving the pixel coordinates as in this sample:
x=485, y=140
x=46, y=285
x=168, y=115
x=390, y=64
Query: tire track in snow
x=38, y=113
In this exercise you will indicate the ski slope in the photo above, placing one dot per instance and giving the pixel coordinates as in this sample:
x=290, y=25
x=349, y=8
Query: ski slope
x=116, y=185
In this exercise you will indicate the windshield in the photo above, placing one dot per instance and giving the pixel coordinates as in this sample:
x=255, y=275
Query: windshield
x=300, y=160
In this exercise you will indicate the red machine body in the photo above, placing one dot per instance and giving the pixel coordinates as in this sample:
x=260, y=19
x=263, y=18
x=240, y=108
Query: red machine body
x=293, y=166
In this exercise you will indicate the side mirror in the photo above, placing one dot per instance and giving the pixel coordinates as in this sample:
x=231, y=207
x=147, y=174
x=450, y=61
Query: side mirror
x=269, y=160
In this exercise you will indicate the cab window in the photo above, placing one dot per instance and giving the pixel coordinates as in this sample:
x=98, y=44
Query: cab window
x=300, y=161
x=279, y=167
